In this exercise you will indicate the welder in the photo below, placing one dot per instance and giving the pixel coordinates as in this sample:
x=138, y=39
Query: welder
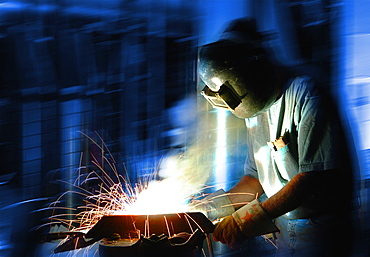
x=298, y=175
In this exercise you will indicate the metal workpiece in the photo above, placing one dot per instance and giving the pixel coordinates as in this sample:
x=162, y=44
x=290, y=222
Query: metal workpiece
x=177, y=234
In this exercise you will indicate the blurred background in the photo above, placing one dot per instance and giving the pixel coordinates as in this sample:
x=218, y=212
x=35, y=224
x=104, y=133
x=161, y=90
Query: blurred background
x=123, y=72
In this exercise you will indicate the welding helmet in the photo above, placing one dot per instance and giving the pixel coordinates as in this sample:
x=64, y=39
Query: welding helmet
x=238, y=75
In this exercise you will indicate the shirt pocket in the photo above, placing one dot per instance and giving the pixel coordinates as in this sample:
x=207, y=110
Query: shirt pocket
x=285, y=162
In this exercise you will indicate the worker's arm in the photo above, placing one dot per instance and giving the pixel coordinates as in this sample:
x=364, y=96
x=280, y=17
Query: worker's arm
x=245, y=191
x=296, y=192
x=252, y=220
x=292, y=195
x=221, y=204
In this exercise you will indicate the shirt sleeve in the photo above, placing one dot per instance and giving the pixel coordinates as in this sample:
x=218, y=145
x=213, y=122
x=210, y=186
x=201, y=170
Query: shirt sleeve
x=250, y=168
x=317, y=132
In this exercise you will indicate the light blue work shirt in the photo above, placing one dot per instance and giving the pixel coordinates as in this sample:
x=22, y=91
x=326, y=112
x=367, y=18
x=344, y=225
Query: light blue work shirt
x=313, y=144
x=309, y=131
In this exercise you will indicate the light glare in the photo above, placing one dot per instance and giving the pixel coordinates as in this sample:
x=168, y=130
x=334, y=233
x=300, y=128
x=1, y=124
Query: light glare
x=217, y=82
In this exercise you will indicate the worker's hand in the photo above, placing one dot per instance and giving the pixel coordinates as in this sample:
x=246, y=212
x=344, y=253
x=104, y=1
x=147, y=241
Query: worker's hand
x=228, y=232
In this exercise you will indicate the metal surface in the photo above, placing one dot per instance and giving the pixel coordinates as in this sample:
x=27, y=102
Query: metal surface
x=181, y=245
x=151, y=224
x=76, y=242
x=133, y=233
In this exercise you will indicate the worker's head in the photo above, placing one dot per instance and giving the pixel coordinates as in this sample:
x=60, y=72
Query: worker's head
x=237, y=73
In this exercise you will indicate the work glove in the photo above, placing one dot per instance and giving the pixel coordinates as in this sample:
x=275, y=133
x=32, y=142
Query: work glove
x=253, y=220
x=214, y=206
x=229, y=233
x=249, y=221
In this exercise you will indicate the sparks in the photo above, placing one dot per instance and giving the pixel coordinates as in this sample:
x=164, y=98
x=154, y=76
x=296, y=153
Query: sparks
x=115, y=195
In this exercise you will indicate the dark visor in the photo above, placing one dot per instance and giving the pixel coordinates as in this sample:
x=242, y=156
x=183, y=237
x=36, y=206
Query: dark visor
x=225, y=97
